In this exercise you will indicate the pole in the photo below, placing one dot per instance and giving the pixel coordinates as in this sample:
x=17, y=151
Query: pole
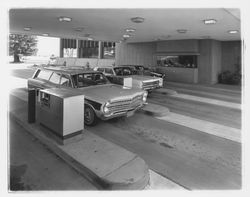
x=31, y=105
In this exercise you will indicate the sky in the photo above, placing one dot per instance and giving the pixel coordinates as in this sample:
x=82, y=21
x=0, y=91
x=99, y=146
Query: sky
x=47, y=46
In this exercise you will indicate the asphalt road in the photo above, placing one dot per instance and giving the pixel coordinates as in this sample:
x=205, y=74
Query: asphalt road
x=186, y=156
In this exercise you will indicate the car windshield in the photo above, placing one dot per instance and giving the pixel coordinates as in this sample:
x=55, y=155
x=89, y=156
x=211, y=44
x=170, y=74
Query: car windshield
x=123, y=71
x=89, y=79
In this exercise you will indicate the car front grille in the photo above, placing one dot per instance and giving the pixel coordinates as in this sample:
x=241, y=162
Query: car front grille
x=150, y=84
x=125, y=105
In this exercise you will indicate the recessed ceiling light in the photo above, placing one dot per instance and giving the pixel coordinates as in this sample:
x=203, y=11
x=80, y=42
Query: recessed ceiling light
x=90, y=39
x=45, y=34
x=137, y=19
x=181, y=31
x=233, y=31
x=64, y=19
x=27, y=28
x=209, y=21
x=126, y=36
x=130, y=30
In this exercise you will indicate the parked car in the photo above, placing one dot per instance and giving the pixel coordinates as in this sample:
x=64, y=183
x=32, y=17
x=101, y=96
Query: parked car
x=141, y=70
x=103, y=100
x=117, y=74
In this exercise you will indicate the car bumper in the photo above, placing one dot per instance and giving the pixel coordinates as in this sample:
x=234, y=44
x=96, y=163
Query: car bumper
x=151, y=88
x=126, y=113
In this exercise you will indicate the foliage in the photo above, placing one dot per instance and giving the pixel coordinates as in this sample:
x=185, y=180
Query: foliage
x=228, y=77
x=22, y=45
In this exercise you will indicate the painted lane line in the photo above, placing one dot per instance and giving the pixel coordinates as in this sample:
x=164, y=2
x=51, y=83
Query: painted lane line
x=204, y=126
x=208, y=100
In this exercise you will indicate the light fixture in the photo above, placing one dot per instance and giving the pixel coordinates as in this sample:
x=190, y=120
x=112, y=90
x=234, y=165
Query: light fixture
x=126, y=36
x=45, y=34
x=209, y=21
x=233, y=31
x=181, y=31
x=130, y=30
x=64, y=19
x=90, y=38
x=137, y=20
x=27, y=28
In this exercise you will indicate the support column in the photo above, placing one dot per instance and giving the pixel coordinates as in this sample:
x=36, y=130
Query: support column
x=209, y=61
x=77, y=49
x=61, y=47
x=100, y=50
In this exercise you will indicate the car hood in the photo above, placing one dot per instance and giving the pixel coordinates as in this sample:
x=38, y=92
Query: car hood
x=109, y=92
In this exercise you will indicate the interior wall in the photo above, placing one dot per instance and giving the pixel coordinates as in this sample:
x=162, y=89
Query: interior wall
x=135, y=54
x=231, y=55
x=172, y=46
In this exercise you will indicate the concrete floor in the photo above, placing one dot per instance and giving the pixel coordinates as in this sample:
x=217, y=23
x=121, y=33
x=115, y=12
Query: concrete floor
x=34, y=167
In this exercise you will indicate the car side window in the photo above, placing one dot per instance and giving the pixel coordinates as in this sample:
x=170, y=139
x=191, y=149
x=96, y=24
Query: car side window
x=65, y=81
x=109, y=71
x=55, y=78
x=44, y=74
x=100, y=69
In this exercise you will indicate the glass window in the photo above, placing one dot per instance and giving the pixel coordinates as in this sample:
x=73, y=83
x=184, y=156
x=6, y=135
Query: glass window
x=89, y=79
x=109, y=71
x=184, y=61
x=65, y=81
x=100, y=69
x=55, y=78
x=120, y=71
x=109, y=52
x=44, y=74
x=88, y=52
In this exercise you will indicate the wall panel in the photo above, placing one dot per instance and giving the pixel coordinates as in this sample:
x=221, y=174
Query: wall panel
x=135, y=53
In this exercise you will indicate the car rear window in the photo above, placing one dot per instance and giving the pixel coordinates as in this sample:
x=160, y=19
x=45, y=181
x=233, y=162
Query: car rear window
x=44, y=74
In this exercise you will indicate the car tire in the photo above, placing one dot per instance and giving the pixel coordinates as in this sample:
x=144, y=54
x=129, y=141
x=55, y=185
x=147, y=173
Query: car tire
x=90, y=118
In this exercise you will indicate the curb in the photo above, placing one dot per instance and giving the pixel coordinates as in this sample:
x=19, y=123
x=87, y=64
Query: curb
x=132, y=174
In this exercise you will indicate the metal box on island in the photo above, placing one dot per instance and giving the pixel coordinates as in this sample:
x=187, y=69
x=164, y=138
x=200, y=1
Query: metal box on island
x=61, y=112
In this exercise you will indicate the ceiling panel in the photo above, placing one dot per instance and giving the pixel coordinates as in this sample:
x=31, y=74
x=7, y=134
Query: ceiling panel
x=110, y=24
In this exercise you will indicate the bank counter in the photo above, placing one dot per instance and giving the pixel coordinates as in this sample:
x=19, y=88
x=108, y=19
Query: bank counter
x=179, y=74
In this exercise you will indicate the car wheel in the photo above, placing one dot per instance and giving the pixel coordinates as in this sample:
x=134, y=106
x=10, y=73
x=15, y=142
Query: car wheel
x=90, y=118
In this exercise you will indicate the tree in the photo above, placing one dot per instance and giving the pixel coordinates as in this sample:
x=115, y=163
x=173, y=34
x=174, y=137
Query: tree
x=22, y=44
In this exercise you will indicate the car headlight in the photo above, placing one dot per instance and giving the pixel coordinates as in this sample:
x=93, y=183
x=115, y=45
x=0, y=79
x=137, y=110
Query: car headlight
x=144, y=96
x=160, y=82
x=105, y=108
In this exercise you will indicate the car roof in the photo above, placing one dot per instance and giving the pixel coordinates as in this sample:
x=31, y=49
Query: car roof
x=69, y=70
